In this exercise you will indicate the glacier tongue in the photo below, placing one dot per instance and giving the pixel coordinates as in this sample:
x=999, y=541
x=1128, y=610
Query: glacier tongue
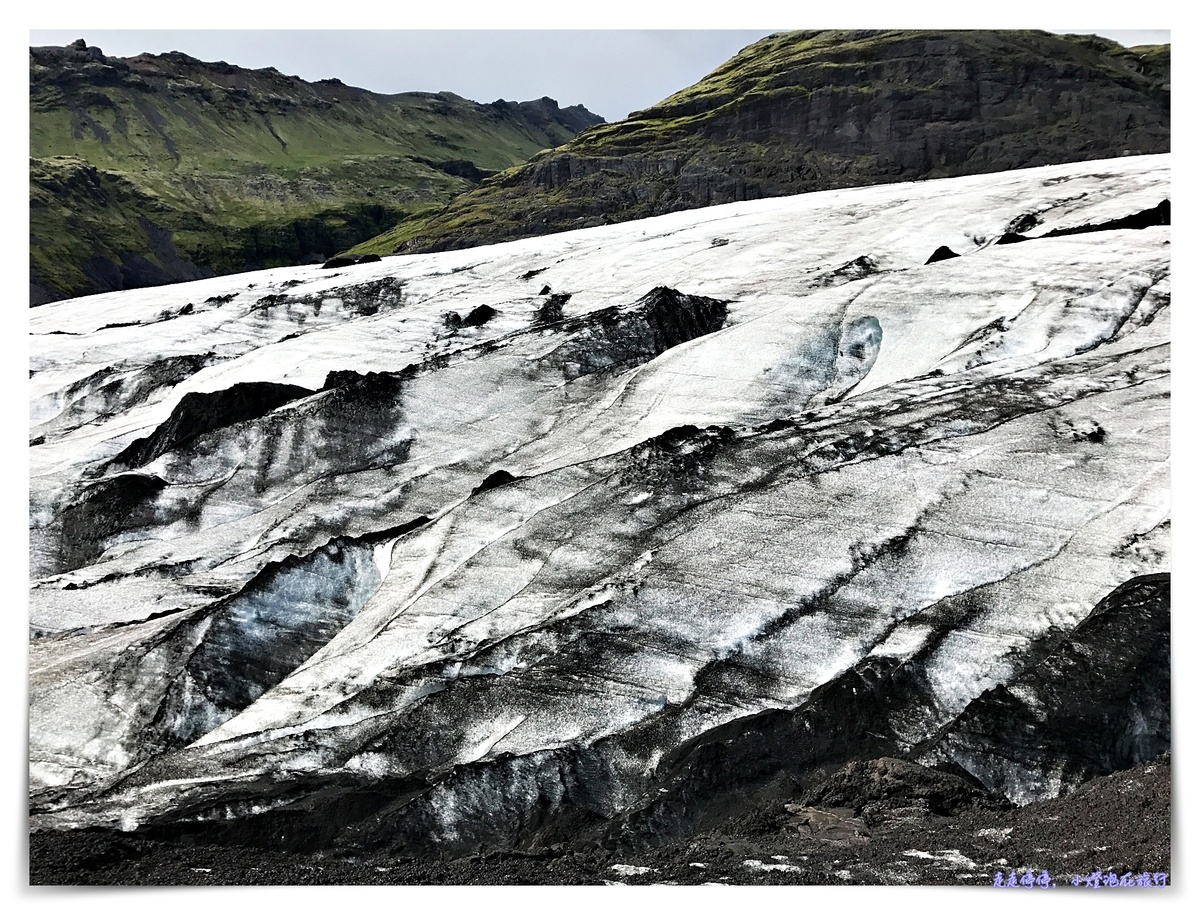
x=586, y=559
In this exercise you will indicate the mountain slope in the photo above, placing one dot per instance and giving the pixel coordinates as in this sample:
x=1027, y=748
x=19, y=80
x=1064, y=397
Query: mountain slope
x=163, y=167
x=587, y=538
x=805, y=111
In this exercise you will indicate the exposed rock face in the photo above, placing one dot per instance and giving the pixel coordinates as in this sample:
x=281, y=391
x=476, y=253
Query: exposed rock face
x=197, y=414
x=871, y=787
x=313, y=567
x=806, y=111
x=944, y=254
x=1100, y=700
x=161, y=168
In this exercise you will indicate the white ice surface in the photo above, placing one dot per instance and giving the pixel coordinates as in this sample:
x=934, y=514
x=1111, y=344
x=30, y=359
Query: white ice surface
x=586, y=599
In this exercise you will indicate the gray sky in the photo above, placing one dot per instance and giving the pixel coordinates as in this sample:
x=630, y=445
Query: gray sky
x=611, y=72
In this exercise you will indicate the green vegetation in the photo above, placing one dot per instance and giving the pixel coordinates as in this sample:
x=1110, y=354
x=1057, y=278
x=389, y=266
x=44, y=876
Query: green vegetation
x=164, y=167
x=806, y=111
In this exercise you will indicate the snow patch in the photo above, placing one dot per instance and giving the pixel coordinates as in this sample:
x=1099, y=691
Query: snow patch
x=631, y=870
x=951, y=856
x=756, y=865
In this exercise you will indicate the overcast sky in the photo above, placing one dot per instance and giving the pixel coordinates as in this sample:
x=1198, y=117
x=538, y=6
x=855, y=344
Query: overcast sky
x=611, y=72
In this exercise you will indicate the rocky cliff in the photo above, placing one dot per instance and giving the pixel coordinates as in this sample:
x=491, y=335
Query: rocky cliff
x=805, y=111
x=160, y=168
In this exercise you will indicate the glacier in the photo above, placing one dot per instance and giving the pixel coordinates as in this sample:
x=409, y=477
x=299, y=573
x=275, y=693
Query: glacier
x=346, y=556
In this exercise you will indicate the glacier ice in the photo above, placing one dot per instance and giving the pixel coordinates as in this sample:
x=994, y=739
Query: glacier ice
x=798, y=496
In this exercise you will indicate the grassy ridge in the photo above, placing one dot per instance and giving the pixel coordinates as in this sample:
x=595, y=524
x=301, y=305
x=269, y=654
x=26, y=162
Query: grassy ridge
x=240, y=167
x=806, y=111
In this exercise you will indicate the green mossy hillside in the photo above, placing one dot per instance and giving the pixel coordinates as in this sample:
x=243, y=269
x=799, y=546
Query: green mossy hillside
x=162, y=167
x=806, y=111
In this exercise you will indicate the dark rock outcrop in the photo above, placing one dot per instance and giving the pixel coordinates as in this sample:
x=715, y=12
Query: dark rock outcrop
x=479, y=315
x=198, y=413
x=943, y=253
x=1155, y=216
x=106, y=509
x=1096, y=702
x=552, y=309
x=494, y=479
x=617, y=338
x=878, y=787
